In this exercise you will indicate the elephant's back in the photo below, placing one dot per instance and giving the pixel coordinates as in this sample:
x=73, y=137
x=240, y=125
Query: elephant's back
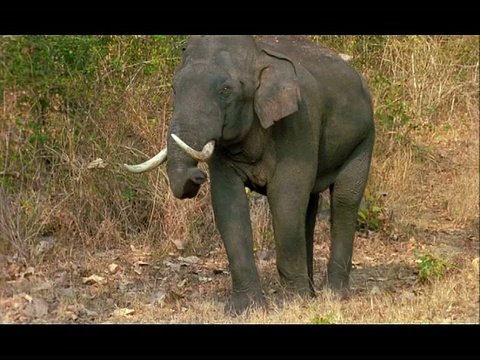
x=324, y=64
x=299, y=48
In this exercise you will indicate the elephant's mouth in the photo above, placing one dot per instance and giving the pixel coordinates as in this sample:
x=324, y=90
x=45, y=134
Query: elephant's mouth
x=189, y=187
x=185, y=181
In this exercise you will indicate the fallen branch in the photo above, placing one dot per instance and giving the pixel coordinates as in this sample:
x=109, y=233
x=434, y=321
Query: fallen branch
x=14, y=174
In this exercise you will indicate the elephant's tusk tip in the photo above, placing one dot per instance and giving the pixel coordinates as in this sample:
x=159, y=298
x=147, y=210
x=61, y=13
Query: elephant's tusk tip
x=130, y=168
x=158, y=159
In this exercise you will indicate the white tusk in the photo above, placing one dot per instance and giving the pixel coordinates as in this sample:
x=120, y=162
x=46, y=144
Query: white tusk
x=203, y=155
x=149, y=164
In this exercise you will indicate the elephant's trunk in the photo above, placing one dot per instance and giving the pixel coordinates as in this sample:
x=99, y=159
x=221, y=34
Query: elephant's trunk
x=184, y=175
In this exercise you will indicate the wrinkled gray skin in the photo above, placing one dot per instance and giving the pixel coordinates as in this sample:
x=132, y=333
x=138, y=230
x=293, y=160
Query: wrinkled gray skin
x=290, y=119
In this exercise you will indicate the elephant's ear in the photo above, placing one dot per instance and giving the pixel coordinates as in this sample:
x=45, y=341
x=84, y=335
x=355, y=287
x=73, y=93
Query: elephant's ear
x=277, y=94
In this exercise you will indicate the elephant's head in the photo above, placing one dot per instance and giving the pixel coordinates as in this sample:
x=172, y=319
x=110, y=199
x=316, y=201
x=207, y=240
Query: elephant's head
x=223, y=85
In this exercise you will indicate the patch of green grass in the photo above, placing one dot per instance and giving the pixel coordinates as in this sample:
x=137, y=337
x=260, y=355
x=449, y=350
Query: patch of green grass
x=431, y=268
x=129, y=195
x=329, y=318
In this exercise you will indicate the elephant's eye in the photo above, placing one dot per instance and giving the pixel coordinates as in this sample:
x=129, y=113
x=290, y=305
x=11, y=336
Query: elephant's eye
x=225, y=89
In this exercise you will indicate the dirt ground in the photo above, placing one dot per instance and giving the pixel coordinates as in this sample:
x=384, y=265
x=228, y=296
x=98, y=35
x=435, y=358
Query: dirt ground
x=133, y=284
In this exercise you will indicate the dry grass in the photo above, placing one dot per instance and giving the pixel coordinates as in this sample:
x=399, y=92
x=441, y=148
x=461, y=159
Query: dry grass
x=61, y=222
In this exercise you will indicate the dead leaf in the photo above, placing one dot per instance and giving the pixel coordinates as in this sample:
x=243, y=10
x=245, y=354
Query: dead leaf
x=190, y=259
x=137, y=268
x=113, y=268
x=139, y=252
x=179, y=244
x=217, y=271
x=411, y=244
x=123, y=312
x=346, y=57
x=356, y=264
x=97, y=164
x=94, y=279
x=475, y=265
x=70, y=311
x=28, y=272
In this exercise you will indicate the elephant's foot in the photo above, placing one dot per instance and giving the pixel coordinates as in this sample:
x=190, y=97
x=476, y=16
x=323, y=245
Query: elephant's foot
x=338, y=283
x=241, y=302
x=297, y=286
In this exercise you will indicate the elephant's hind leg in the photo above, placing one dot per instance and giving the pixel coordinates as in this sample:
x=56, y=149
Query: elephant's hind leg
x=346, y=194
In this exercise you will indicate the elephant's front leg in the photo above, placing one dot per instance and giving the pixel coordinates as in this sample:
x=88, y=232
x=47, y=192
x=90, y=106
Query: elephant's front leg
x=288, y=199
x=232, y=217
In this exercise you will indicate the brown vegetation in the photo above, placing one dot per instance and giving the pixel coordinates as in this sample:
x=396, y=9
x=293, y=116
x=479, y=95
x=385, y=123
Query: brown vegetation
x=83, y=241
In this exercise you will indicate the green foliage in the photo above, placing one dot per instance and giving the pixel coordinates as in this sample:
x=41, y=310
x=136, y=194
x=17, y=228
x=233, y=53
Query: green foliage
x=72, y=67
x=70, y=99
x=330, y=318
x=50, y=65
x=393, y=112
x=370, y=216
x=431, y=268
x=129, y=195
x=39, y=134
x=7, y=183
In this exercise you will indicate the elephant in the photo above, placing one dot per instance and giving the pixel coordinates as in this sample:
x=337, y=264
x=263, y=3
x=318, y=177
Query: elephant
x=287, y=119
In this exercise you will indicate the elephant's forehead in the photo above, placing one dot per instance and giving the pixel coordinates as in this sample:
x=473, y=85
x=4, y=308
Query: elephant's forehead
x=212, y=43
x=228, y=53
x=202, y=73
